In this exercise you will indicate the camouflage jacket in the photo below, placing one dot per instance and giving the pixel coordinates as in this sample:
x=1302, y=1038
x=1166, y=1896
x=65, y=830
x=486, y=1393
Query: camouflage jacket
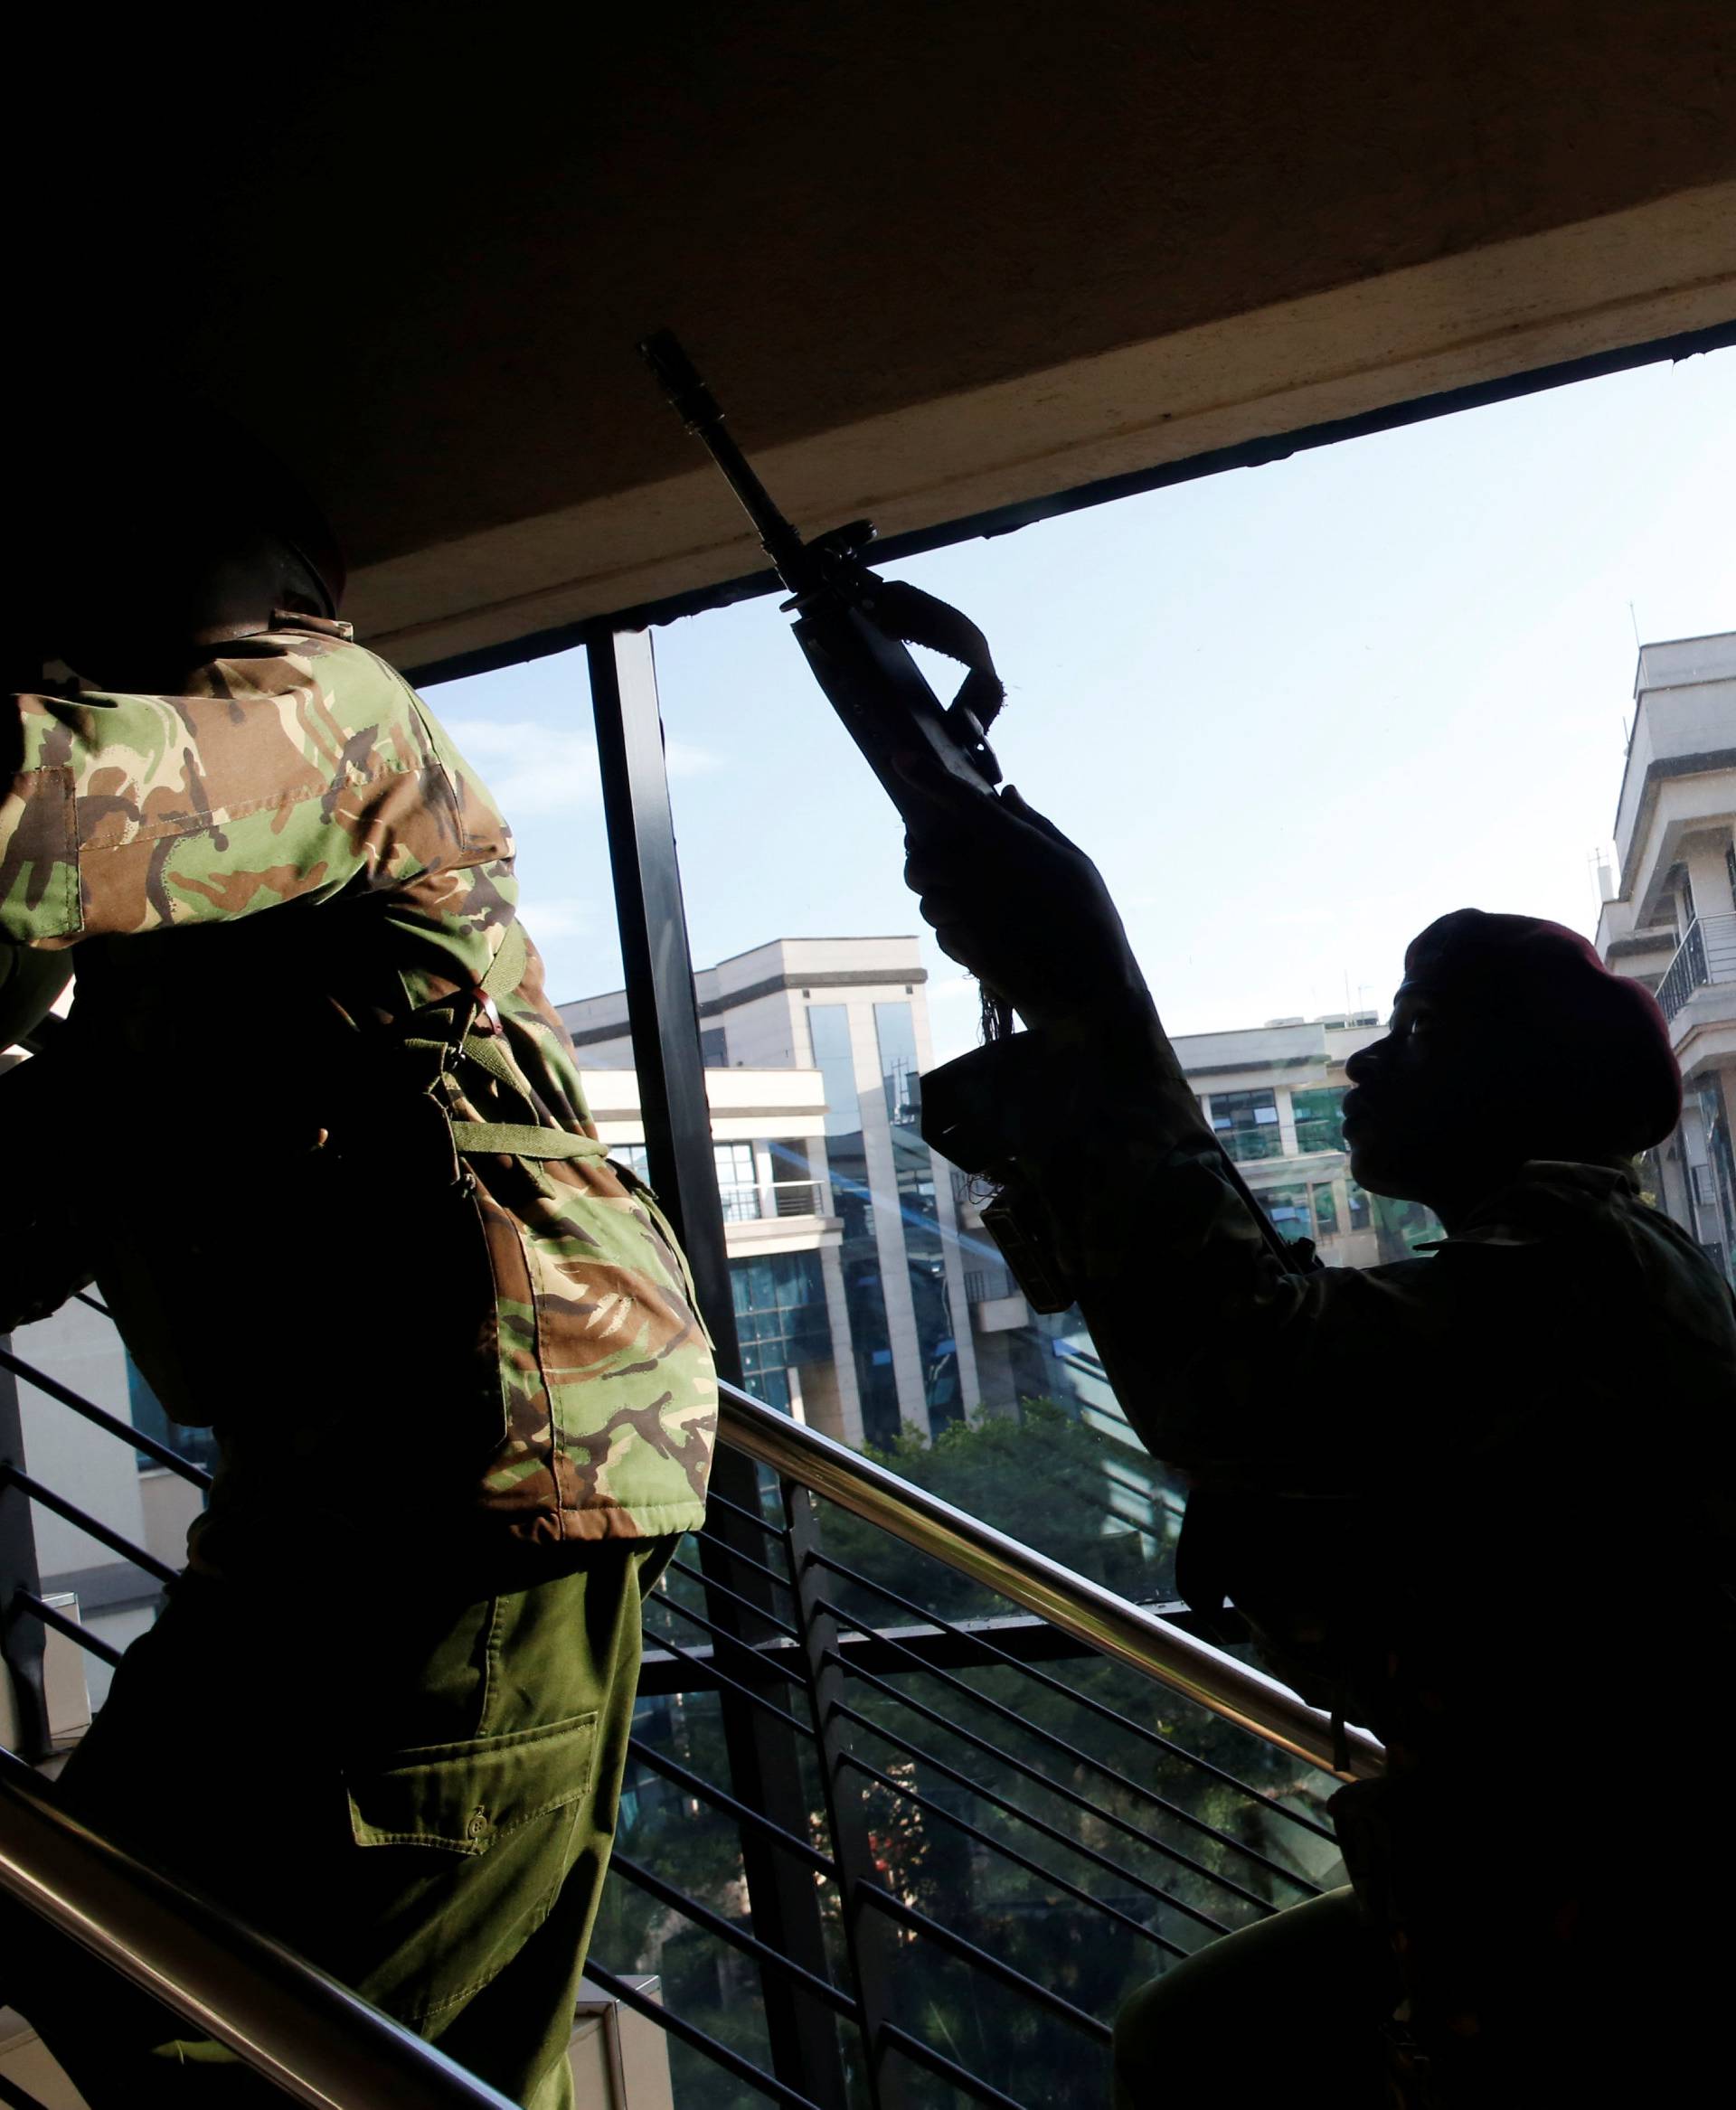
x=332, y=1165
x=1461, y=1498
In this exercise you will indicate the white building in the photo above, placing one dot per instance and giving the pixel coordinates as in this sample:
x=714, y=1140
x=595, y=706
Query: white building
x=894, y=1262
x=1670, y=917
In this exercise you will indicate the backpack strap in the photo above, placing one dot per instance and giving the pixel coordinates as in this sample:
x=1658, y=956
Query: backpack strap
x=512, y=1139
x=481, y=1044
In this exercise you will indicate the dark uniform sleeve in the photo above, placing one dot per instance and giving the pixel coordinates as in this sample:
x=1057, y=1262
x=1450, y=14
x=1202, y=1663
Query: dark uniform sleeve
x=1237, y=1367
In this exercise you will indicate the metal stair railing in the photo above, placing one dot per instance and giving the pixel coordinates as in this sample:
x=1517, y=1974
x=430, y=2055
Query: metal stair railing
x=313, y=2040
x=921, y=1720
x=1097, y=1617
x=925, y=1722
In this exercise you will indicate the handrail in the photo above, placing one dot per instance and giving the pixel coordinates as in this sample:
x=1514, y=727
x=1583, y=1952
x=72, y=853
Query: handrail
x=1091, y=1614
x=317, y=2040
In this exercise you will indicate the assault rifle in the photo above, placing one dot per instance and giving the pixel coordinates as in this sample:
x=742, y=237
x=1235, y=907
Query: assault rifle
x=856, y=629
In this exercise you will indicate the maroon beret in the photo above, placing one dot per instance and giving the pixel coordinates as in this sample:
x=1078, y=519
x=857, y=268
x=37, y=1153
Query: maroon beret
x=1595, y=1044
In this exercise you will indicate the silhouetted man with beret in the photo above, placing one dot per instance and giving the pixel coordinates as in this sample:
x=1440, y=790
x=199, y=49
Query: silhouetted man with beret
x=1479, y=1501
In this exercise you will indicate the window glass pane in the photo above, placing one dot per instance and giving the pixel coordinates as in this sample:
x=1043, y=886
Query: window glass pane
x=1288, y=1212
x=1247, y=1124
x=1319, y=1118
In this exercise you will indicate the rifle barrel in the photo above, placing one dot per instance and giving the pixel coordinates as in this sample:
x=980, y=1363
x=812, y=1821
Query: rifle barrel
x=702, y=415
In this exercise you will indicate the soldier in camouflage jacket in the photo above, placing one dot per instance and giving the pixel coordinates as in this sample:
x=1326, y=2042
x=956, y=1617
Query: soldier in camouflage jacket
x=323, y=1143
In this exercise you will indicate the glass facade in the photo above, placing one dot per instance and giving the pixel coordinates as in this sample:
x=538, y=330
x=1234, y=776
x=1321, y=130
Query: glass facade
x=913, y=1169
x=828, y=1031
x=865, y=1292
x=1288, y=1210
x=1319, y=1118
x=1325, y=1212
x=781, y=1319
x=1246, y=1124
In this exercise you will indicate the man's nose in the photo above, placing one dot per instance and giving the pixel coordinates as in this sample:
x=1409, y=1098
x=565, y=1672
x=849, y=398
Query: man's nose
x=1364, y=1063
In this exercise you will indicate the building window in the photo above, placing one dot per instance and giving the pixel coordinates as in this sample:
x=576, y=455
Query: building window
x=895, y=1031
x=796, y=1189
x=738, y=1187
x=633, y=1156
x=1360, y=1212
x=714, y=1047
x=915, y=1168
x=781, y=1320
x=1729, y=868
x=1325, y=1212
x=1287, y=1211
x=1319, y=1124
x=1246, y=1124
x=828, y=1031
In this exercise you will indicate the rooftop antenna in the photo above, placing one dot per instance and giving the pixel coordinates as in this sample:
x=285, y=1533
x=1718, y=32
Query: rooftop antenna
x=1634, y=619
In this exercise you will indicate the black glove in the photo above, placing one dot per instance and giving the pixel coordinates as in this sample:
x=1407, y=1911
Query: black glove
x=1012, y=900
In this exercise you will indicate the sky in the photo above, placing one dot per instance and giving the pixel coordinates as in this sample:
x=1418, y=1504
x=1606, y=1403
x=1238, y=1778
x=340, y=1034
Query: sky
x=1294, y=712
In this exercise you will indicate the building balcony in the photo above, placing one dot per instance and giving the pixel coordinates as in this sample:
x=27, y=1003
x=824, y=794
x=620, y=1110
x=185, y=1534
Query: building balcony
x=1675, y=780
x=776, y=1198
x=1704, y=960
x=997, y=1302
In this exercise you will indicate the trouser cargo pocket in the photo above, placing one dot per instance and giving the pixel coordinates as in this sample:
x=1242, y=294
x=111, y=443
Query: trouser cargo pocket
x=466, y=1848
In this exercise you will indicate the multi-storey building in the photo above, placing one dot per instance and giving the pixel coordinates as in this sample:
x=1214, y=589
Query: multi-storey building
x=1669, y=918
x=883, y=1254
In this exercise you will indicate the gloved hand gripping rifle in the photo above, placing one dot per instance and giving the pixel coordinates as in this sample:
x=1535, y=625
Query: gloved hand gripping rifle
x=856, y=629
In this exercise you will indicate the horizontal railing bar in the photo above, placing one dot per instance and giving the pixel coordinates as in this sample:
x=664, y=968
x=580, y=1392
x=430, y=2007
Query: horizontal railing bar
x=709, y=1674
x=708, y=1582
x=746, y=1560
x=51, y=1615
x=1098, y=1766
x=1110, y=1623
x=1021, y=1816
x=301, y=2029
x=980, y=1959
x=95, y=1302
x=738, y=1937
x=27, y=1484
x=913, y=2048
x=1012, y=1853
x=111, y=1424
x=701, y=2041
x=713, y=1499
x=974, y=1633
x=1100, y=1813
x=708, y=1791
x=730, y=1640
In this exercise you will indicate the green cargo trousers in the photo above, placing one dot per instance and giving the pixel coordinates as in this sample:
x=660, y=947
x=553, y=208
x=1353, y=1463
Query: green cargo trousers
x=415, y=1785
